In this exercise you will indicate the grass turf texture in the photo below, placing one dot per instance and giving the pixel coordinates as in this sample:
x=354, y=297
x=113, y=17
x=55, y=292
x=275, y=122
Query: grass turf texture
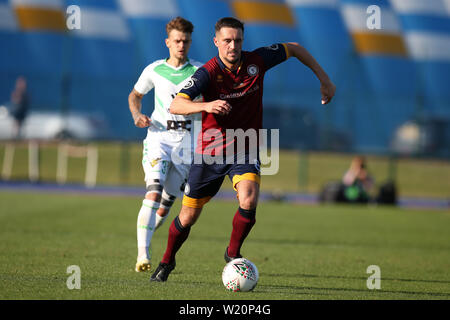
x=302, y=252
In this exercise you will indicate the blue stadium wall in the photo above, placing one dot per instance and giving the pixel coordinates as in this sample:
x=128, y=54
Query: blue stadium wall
x=385, y=77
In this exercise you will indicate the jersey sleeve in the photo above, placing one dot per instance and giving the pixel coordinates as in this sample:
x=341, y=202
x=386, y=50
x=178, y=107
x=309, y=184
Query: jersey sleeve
x=273, y=55
x=144, y=83
x=196, y=84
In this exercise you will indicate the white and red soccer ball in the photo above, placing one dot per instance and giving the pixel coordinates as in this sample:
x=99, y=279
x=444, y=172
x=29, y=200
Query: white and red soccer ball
x=240, y=275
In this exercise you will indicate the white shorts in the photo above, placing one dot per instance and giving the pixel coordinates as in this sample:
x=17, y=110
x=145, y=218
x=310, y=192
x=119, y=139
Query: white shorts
x=157, y=163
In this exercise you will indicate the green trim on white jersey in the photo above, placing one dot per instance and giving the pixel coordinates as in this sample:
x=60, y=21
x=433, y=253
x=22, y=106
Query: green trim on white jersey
x=176, y=77
x=167, y=82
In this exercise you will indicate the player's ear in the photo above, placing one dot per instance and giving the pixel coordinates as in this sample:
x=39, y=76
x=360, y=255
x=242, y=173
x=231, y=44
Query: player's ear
x=167, y=42
x=216, y=42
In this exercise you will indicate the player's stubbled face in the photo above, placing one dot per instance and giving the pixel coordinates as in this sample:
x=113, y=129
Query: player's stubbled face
x=229, y=42
x=178, y=43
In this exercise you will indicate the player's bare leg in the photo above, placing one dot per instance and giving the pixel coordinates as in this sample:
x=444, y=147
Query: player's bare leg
x=248, y=193
x=244, y=218
x=188, y=216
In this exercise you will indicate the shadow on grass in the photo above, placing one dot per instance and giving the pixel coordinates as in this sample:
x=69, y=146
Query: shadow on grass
x=291, y=287
x=321, y=243
x=312, y=290
x=293, y=275
x=301, y=288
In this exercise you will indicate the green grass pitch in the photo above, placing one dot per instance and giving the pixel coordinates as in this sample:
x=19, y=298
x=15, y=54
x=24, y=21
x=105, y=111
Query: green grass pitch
x=302, y=252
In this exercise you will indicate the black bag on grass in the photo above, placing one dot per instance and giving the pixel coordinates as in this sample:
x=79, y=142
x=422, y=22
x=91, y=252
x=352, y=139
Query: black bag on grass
x=387, y=193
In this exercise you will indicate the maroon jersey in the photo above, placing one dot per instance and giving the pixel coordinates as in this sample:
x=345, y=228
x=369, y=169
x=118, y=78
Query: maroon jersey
x=241, y=88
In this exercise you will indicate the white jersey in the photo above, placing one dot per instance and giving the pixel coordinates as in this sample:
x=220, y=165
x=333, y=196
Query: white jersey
x=167, y=82
x=170, y=142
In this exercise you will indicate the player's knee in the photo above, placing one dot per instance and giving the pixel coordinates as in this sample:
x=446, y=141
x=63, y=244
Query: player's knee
x=188, y=216
x=154, y=190
x=248, y=202
x=153, y=196
x=248, y=192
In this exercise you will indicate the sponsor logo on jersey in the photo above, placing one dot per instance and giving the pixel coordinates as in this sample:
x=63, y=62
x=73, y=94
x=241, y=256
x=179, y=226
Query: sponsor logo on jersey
x=239, y=94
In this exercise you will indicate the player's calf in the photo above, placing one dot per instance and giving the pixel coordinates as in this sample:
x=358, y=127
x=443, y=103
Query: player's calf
x=243, y=222
x=166, y=203
x=146, y=224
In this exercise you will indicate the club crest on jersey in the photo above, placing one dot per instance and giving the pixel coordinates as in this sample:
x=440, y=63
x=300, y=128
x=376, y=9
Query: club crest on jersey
x=252, y=70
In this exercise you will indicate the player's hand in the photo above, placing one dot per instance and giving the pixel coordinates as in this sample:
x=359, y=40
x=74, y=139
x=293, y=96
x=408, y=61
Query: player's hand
x=141, y=120
x=220, y=107
x=327, y=89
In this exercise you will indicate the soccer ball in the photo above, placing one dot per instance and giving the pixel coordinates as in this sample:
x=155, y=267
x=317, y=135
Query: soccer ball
x=240, y=275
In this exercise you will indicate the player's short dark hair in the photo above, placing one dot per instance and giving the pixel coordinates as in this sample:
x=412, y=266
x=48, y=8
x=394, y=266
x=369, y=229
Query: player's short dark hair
x=179, y=24
x=229, y=22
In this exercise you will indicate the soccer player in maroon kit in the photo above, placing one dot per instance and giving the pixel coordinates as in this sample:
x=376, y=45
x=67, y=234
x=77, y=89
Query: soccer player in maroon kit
x=232, y=87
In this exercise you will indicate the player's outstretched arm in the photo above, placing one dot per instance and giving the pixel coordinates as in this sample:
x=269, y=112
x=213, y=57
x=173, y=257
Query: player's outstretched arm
x=185, y=106
x=135, y=105
x=327, y=88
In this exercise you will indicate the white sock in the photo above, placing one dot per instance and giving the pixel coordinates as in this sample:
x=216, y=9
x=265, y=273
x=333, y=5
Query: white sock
x=160, y=220
x=146, y=227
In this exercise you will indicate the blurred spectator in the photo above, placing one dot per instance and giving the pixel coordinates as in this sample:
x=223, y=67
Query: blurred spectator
x=19, y=104
x=357, y=181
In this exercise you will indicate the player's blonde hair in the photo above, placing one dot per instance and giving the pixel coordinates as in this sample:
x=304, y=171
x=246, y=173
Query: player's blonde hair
x=180, y=24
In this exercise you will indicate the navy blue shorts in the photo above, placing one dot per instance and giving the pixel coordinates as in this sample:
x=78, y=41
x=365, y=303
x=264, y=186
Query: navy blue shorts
x=205, y=180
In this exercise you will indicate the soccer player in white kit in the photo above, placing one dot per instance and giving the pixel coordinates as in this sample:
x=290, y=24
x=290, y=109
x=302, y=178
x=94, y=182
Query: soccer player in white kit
x=166, y=167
